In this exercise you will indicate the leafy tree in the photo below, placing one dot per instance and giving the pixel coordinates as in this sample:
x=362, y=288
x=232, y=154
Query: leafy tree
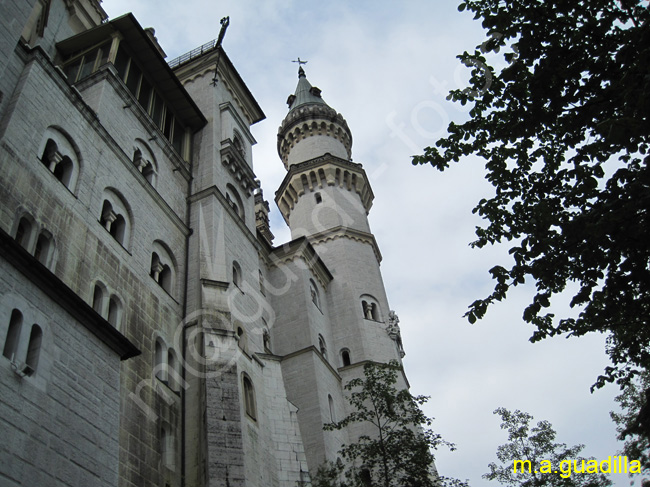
x=563, y=124
x=550, y=464
x=633, y=422
x=398, y=452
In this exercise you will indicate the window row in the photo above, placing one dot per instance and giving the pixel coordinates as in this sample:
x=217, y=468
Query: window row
x=22, y=345
x=107, y=304
x=61, y=157
x=167, y=367
x=148, y=97
x=34, y=239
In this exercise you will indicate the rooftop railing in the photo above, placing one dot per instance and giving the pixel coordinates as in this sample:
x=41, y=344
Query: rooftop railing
x=194, y=53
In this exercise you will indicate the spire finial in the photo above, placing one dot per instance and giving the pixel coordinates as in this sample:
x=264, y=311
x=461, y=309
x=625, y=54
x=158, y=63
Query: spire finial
x=301, y=72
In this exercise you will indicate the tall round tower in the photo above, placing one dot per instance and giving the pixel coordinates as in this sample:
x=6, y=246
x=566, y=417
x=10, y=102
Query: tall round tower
x=344, y=321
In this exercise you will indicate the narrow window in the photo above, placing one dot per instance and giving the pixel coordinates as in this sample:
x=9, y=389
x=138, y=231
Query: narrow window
x=118, y=229
x=236, y=274
x=330, y=401
x=322, y=347
x=313, y=290
x=345, y=357
x=165, y=278
x=172, y=373
x=167, y=450
x=98, y=299
x=43, y=246
x=160, y=365
x=249, y=398
x=319, y=198
x=13, y=335
x=114, y=311
x=50, y=154
x=34, y=349
x=24, y=233
x=63, y=171
x=266, y=337
x=261, y=280
x=242, y=339
x=148, y=172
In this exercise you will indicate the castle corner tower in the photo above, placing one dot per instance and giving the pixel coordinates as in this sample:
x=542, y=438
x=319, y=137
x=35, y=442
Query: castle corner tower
x=344, y=319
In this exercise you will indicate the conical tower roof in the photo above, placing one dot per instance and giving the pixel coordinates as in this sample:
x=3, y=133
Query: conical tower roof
x=305, y=93
x=310, y=118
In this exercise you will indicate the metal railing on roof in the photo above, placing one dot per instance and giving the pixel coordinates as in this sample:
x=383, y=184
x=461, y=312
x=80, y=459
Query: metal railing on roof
x=194, y=53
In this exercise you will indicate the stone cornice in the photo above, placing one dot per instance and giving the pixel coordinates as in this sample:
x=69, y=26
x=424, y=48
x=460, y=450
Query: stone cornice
x=324, y=170
x=300, y=248
x=310, y=120
x=349, y=233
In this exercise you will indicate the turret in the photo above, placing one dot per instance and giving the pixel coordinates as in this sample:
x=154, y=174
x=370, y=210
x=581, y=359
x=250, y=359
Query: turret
x=323, y=188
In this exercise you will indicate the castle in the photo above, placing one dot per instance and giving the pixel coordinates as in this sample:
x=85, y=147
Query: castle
x=152, y=333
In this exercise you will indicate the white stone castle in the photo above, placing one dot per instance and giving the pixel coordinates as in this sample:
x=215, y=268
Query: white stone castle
x=151, y=333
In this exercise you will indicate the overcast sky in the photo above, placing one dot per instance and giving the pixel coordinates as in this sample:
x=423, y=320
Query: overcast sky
x=387, y=66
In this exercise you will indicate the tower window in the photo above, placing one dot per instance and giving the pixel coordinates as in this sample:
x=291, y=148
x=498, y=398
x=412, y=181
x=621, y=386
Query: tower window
x=13, y=335
x=319, y=198
x=345, y=357
x=34, y=349
x=322, y=347
x=236, y=274
x=330, y=402
x=43, y=249
x=313, y=291
x=249, y=397
x=370, y=308
x=160, y=360
x=24, y=233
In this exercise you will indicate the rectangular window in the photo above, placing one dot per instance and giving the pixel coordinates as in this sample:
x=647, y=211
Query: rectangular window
x=177, y=140
x=169, y=121
x=133, y=78
x=145, y=93
x=156, y=109
x=121, y=62
x=72, y=70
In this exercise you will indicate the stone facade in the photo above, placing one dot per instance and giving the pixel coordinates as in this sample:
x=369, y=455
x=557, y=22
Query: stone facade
x=152, y=334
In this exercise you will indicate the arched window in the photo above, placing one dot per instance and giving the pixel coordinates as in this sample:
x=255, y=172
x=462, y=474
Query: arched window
x=163, y=267
x=238, y=145
x=44, y=248
x=322, y=347
x=236, y=274
x=173, y=371
x=330, y=402
x=319, y=198
x=167, y=450
x=249, y=397
x=34, y=349
x=98, y=299
x=370, y=308
x=160, y=360
x=261, y=280
x=145, y=161
x=115, y=217
x=114, y=311
x=234, y=200
x=313, y=291
x=266, y=338
x=13, y=335
x=345, y=357
x=60, y=157
x=24, y=232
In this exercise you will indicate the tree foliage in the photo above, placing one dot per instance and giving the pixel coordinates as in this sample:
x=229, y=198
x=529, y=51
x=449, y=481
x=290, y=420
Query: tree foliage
x=563, y=125
x=536, y=444
x=397, y=451
x=633, y=422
